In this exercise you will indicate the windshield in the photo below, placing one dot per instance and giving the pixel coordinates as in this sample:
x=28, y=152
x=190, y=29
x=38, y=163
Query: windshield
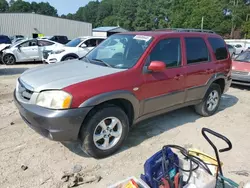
x=120, y=50
x=17, y=42
x=74, y=42
x=244, y=57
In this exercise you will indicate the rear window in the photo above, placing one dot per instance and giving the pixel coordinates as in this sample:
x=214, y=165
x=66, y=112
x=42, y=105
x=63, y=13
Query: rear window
x=219, y=48
x=5, y=40
x=196, y=49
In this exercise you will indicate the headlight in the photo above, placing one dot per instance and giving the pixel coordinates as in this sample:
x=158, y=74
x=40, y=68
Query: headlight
x=249, y=74
x=54, y=99
x=57, y=51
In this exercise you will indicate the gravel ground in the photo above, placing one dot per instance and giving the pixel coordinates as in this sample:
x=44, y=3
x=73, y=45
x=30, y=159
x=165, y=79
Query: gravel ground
x=47, y=160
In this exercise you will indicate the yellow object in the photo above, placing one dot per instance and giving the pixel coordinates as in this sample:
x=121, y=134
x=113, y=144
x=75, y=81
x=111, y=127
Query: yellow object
x=40, y=35
x=203, y=156
x=67, y=102
x=131, y=184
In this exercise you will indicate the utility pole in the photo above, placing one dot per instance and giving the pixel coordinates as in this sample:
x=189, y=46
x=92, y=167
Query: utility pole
x=202, y=23
x=235, y=4
x=246, y=21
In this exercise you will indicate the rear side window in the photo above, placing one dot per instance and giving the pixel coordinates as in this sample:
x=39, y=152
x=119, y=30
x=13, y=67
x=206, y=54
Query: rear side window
x=219, y=48
x=196, y=50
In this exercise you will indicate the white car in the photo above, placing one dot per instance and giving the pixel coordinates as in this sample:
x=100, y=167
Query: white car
x=74, y=49
x=27, y=50
x=239, y=48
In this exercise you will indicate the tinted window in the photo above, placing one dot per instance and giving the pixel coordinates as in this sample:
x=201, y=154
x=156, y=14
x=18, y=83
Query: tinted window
x=44, y=43
x=167, y=51
x=28, y=43
x=74, y=42
x=219, y=48
x=91, y=42
x=238, y=46
x=196, y=50
x=229, y=46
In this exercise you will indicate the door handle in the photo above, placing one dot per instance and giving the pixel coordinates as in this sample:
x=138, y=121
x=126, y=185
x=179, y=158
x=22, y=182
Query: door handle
x=178, y=76
x=209, y=70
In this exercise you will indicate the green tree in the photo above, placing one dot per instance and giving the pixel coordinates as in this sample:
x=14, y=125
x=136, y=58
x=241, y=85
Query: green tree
x=127, y=13
x=46, y=9
x=4, y=6
x=20, y=6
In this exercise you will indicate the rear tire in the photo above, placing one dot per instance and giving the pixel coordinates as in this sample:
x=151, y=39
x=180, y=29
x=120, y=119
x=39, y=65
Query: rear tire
x=9, y=59
x=210, y=102
x=99, y=139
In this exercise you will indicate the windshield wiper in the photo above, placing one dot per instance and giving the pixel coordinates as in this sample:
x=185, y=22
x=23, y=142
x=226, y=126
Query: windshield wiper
x=84, y=57
x=99, y=60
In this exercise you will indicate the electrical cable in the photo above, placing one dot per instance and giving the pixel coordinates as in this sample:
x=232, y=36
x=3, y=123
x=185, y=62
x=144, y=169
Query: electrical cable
x=193, y=159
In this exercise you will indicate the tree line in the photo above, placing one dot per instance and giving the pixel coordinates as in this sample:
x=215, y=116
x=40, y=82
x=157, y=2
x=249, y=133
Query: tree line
x=230, y=18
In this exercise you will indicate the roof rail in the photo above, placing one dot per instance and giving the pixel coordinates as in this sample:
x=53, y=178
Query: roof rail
x=185, y=30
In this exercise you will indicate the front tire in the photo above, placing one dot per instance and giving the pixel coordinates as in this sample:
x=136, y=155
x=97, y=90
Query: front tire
x=9, y=59
x=104, y=131
x=69, y=58
x=210, y=102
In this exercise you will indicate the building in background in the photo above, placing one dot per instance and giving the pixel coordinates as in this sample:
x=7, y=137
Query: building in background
x=107, y=31
x=34, y=25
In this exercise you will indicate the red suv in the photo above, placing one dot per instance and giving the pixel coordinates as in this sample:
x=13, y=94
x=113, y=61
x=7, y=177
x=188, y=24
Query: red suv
x=129, y=77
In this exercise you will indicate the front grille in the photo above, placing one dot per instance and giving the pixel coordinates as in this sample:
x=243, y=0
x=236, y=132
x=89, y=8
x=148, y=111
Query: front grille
x=240, y=73
x=23, y=91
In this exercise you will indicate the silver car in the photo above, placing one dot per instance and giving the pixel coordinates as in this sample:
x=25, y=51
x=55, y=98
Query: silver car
x=232, y=50
x=27, y=50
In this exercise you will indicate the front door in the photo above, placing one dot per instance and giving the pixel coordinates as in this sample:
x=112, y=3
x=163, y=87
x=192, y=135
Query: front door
x=164, y=89
x=28, y=51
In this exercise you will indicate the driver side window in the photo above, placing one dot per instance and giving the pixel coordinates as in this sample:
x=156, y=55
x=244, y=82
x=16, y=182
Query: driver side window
x=25, y=44
x=28, y=44
x=167, y=51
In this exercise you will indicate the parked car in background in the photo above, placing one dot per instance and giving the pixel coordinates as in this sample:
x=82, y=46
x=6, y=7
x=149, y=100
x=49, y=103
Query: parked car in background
x=97, y=100
x=16, y=38
x=58, y=38
x=27, y=50
x=4, y=39
x=241, y=69
x=232, y=50
x=239, y=48
x=74, y=49
x=4, y=42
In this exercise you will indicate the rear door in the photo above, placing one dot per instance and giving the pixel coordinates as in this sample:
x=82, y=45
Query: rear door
x=199, y=67
x=164, y=89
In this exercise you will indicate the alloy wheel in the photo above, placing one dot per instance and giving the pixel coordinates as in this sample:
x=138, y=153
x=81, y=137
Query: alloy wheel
x=107, y=133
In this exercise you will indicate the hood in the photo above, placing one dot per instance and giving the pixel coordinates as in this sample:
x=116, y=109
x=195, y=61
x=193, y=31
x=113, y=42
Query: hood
x=241, y=66
x=63, y=74
x=4, y=46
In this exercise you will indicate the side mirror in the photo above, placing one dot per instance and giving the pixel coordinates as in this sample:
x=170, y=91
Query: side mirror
x=83, y=45
x=157, y=66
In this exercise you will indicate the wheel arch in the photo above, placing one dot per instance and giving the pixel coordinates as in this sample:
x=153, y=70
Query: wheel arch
x=123, y=99
x=69, y=55
x=219, y=79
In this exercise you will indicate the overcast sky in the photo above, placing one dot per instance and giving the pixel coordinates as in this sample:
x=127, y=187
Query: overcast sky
x=65, y=6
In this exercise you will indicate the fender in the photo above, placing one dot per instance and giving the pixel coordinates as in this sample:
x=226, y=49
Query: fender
x=120, y=94
x=70, y=54
x=215, y=77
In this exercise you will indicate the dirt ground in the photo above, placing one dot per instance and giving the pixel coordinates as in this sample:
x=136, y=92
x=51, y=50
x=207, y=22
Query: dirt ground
x=47, y=160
